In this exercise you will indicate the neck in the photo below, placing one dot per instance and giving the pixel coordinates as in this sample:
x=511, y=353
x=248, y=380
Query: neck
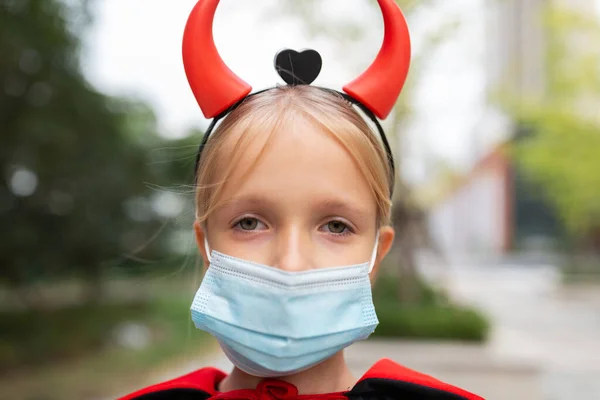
x=330, y=376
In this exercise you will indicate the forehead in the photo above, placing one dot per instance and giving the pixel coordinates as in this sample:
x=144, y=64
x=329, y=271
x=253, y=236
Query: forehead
x=297, y=162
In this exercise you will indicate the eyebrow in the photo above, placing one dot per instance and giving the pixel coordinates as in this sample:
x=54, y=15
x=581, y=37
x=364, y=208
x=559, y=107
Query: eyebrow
x=342, y=207
x=252, y=201
x=330, y=205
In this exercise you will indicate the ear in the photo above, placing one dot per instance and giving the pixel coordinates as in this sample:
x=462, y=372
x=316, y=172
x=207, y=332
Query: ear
x=386, y=240
x=200, y=236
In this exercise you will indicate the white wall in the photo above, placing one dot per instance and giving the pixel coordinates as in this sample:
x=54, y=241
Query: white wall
x=471, y=220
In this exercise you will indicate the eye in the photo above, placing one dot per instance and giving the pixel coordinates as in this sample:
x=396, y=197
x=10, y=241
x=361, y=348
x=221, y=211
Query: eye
x=337, y=227
x=249, y=224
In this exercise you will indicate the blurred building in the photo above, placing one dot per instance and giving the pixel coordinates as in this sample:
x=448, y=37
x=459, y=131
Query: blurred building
x=494, y=209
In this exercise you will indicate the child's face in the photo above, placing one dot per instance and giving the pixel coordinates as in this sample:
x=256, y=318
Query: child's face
x=305, y=205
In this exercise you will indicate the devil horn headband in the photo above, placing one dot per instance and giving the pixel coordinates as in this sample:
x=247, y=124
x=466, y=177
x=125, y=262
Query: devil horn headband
x=217, y=88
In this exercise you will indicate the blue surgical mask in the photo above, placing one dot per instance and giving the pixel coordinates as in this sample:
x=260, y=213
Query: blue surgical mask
x=273, y=323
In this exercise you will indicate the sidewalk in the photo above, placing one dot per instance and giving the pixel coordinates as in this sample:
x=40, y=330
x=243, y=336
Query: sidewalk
x=538, y=320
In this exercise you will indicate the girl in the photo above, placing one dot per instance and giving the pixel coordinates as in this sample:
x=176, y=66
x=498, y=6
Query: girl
x=293, y=203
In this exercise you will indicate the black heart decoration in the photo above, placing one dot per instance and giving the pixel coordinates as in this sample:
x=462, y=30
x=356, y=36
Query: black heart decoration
x=298, y=68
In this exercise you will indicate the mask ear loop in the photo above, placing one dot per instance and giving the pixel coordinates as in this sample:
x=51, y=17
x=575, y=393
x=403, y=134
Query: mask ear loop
x=207, y=248
x=374, y=255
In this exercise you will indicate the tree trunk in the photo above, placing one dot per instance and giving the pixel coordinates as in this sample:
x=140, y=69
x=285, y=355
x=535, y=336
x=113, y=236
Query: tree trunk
x=404, y=223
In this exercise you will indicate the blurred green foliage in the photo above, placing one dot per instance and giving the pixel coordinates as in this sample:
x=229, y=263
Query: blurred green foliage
x=35, y=338
x=23, y=345
x=434, y=317
x=562, y=151
x=76, y=166
x=76, y=351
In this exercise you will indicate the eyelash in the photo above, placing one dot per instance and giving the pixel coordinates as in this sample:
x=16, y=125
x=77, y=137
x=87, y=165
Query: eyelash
x=346, y=232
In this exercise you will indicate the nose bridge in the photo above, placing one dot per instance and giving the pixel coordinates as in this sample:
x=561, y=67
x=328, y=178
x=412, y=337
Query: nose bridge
x=293, y=248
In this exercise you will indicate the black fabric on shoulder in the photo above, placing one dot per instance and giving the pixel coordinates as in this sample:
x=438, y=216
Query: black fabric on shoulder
x=175, y=394
x=389, y=389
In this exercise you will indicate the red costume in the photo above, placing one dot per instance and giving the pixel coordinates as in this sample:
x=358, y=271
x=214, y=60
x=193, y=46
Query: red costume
x=386, y=380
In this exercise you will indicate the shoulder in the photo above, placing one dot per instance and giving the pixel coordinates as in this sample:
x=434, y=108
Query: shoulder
x=197, y=385
x=394, y=380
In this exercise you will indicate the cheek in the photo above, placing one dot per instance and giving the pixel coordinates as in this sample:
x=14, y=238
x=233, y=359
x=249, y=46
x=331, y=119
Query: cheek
x=358, y=252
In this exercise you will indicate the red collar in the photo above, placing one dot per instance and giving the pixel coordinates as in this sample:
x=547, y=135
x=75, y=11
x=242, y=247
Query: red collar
x=395, y=378
x=274, y=389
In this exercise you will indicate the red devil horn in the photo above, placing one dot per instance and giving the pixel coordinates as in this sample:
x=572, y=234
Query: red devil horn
x=380, y=85
x=214, y=85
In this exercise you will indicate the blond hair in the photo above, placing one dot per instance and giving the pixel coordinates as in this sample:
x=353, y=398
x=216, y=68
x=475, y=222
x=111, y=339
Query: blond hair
x=266, y=112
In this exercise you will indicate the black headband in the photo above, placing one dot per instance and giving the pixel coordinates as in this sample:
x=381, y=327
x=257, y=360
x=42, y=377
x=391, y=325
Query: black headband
x=302, y=69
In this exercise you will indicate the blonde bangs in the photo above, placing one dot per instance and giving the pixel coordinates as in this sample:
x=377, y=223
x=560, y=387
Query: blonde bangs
x=269, y=112
x=355, y=136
